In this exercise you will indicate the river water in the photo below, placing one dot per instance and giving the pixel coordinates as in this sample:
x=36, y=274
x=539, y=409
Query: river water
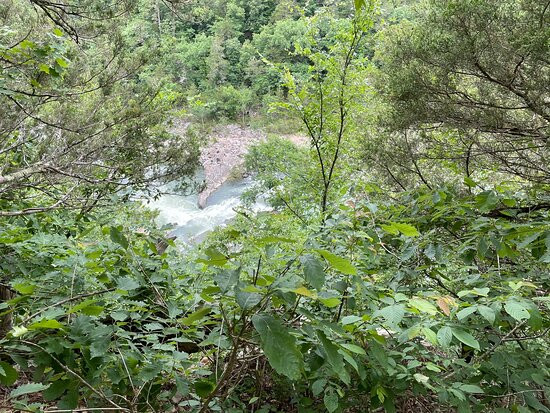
x=190, y=223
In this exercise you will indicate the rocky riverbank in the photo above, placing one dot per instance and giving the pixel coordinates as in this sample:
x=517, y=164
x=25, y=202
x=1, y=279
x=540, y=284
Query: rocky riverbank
x=224, y=154
x=224, y=151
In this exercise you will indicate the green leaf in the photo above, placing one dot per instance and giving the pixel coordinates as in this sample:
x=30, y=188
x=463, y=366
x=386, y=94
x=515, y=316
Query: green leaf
x=45, y=324
x=445, y=336
x=469, y=182
x=393, y=314
x=279, y=346
x=118, y=237
x=465, y=312
x=247, y=299
x=353, y=348
x=516, y=310
x=24, y=289
x=313, y=271
x=56, y=389
x=318, y=386
x=204, y=388
x=331, y=400
x=80, y=306
x=57, y=31
x=338, y=263
x=390, y=229
x=8, y=375
x=28, y=388
x=359, y=4
x=430, y=335
x=227, y=279
x=215, y=258
x=197, y=315
x=422, y=305
x=127, y=284
x=273, y=239
x=406, y=229
x=487, y=313
x=471, y=388
x=421, y=378
x=334, y=358
x=466, y=338
x=350, y=319
x=62, y=62
x=330, y=302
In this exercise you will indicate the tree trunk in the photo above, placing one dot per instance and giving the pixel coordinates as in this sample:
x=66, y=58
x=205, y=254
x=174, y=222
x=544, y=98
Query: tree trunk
x=5, y=320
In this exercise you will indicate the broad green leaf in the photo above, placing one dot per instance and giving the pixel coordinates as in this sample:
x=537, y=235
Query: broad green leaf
x=215, y=258
x=318, y=386
x=465, y=312
x=487, y=313
x=279, y=346
x=127, y=284
x=203, y=388
x=313, y=271
x=516, y=310
x=18, y=331
x=359, y=4
x=24, y=288
x=330, y=302
x=390, y=229
x=273, y=239
x=469, y=182
x=338, y=263
x=8, y=375
x=27, y=389
x=45, y=324
x=351, y=361
x=422, y=305
x=393, y=314
x=118, y=237
x=421, y=378
x=247, y=299
x=431, y=366
x=430, y=335
x=353, y=348
x=406, y=229
x=334, y=358
x=466, y=338
x=331, y=400
x=227, y=279
x=197, y=315
x=471, y=388
x=81, y=305
x=305, y=292
x=62, y=62
x=56, y=389
x=445, y=336
x=350, y=319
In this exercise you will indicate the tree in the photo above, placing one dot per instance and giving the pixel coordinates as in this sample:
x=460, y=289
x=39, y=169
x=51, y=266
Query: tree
x=326, y=100
x=78, y=123
x=479, y=68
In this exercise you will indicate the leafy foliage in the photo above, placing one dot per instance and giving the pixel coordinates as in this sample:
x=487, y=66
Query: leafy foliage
x=351, y=294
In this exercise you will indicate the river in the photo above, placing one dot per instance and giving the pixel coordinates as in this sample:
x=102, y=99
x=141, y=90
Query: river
x=191, y=224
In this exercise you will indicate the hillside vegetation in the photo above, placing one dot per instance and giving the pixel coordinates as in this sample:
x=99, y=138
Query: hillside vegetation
x=403, y=265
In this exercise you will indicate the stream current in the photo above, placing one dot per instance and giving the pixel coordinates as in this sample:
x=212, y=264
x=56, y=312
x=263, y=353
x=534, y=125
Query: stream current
x=190, y=222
